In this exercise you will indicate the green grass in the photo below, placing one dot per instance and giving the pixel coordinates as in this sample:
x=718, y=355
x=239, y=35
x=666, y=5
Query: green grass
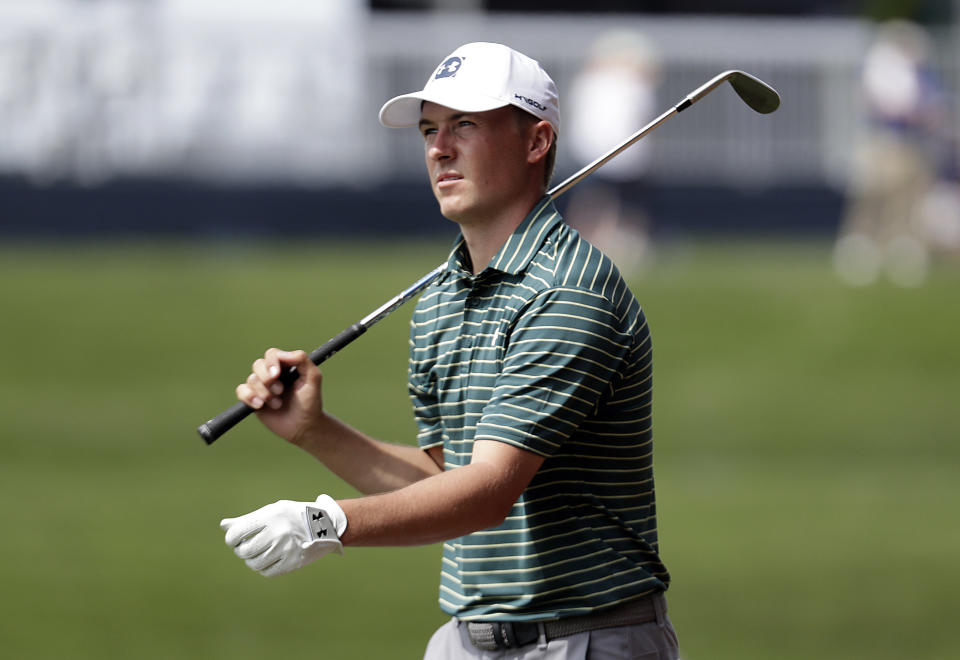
x=806, y=452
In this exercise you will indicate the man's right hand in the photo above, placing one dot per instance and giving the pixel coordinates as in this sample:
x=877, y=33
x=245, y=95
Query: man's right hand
x=289, y=411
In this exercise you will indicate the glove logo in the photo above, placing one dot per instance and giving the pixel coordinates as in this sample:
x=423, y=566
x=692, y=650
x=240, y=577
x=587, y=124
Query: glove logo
x=323, y=530
x=320, y=524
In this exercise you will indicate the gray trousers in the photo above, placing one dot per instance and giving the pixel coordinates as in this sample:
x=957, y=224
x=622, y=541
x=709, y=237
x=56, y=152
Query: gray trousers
x=647, y=641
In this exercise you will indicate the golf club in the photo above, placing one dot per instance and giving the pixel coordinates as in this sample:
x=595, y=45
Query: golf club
x=754, y=92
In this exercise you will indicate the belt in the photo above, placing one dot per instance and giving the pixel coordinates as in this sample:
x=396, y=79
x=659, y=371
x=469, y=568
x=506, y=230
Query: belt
x=497, y=635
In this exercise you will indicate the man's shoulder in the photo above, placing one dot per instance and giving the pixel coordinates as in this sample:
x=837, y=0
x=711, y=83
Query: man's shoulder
x=569, y=261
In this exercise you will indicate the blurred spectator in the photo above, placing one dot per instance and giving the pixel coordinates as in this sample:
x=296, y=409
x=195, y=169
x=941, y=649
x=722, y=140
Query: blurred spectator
x=898, y=164
x=611, y=98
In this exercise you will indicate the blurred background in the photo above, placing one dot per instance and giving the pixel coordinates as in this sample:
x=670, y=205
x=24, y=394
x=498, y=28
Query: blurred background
x=185, y=183
x=215, y=109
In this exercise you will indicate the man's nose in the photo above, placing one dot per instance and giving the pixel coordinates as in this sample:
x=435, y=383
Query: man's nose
x=441, y=147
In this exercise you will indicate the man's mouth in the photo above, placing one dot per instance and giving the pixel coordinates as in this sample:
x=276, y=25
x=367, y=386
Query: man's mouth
x=448, y=178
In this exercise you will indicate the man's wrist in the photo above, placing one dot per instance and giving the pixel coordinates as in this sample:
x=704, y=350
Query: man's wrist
x=312, y=438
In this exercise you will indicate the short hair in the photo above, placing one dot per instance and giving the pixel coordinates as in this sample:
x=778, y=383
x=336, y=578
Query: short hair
x=524, y=119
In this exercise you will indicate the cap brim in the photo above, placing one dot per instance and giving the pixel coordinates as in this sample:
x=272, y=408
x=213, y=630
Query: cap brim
x=404, y=111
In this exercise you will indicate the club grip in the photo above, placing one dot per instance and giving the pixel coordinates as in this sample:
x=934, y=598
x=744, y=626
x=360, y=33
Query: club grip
x=214, y=428
x=333, y=345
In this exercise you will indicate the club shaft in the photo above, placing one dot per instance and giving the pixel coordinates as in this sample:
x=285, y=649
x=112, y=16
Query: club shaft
x=573, y=180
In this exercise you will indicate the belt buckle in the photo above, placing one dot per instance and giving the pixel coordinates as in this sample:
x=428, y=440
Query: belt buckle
x=484, y=636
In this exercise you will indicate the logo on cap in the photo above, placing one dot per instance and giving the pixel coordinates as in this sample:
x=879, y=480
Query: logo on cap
x=449, y=68
x=535, y=104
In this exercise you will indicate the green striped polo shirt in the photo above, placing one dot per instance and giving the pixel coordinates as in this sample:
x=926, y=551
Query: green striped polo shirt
x=548, y=350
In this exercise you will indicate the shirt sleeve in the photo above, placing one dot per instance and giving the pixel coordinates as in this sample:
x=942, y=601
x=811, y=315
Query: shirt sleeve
x=564, y=350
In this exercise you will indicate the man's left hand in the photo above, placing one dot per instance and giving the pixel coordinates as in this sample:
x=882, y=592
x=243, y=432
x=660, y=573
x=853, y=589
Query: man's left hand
x=284, y=536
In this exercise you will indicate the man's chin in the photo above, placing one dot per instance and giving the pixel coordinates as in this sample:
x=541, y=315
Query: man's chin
x=450, y=209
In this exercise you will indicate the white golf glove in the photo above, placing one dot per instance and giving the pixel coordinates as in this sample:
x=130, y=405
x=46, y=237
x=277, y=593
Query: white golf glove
x=284, y=536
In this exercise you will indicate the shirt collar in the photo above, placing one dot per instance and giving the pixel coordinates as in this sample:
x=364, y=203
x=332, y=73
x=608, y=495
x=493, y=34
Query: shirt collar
x=520, y=247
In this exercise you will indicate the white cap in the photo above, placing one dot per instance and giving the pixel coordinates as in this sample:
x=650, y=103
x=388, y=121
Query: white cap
x=478, y=77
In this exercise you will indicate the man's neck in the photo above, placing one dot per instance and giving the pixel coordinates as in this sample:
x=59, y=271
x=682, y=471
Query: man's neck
x=484, y=239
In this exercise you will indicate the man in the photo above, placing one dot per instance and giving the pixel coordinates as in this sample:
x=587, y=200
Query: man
x=530, y=374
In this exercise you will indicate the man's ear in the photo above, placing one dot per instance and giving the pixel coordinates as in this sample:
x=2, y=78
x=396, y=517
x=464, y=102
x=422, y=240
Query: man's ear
x=541, y=139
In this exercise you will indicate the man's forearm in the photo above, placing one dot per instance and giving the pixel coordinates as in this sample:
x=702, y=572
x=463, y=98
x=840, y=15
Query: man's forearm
x=446, y=505
x=442, y=507
x=369, y=465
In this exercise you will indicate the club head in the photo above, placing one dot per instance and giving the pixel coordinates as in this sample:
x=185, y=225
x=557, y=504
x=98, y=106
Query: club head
x=757, y=94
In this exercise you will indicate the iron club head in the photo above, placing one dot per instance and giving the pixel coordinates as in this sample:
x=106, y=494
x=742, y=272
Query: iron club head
x=757, y=94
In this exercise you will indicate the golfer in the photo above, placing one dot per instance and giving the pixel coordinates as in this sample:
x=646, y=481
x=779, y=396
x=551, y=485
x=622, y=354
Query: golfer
x=530, y=376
